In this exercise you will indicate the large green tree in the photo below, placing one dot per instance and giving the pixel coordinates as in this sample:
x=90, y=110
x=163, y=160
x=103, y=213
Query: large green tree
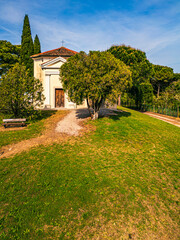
x=94, y=77
x=176, y=76
x=27, y=46
x=37, y=45
x=9, y=55
x=20, y=93
x=146, y=93
x=140, y=66
x=171, y=96
x=162, y=78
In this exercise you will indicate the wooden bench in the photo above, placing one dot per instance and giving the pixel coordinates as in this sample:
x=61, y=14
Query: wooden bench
x=19, y=122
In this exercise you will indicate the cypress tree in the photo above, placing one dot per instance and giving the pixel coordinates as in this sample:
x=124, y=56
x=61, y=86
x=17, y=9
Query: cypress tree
x=27, y=46
x=37, y=45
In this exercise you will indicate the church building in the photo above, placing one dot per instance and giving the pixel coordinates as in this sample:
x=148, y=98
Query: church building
x=46, y=69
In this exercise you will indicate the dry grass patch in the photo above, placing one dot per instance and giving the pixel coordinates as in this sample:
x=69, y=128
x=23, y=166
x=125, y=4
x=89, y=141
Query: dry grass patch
x=118, y=182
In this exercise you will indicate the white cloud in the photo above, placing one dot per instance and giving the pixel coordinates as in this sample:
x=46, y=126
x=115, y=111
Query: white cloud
x=12, y=12
x=101, y=31
x=153, y=32
x=8, y=30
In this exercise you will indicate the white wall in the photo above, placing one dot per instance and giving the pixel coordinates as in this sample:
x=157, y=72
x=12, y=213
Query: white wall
x=49, y=76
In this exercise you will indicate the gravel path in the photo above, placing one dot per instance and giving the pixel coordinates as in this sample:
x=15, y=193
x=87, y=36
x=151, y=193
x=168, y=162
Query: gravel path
x=69, y=125
x=172, y=120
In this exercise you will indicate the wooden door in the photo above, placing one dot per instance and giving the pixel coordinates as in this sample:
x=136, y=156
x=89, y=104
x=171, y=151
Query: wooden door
x=59, y=98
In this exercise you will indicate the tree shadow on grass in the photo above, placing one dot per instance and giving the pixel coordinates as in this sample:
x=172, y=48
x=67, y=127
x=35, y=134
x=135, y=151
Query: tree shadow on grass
x=45, y=114
x=113, y=114
x=82, y=113
x=104, y=112
x=40, y=115
x=35, y=115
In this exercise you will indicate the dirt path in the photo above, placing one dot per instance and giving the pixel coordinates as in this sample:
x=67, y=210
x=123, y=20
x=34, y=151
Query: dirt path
x=57, y=128
x=172, y=120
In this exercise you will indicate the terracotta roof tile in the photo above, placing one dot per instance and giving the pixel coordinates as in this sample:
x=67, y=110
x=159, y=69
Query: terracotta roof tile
x=62, y=51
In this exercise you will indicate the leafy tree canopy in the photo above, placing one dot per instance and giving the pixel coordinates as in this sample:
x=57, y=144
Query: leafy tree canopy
x=162, y=77
x=171, y=96
x=141, y=67
x=27, y=46
x=176, y=76
x=146, y=93
x=174, y=91
x=20, y=93
x=94, y=77
x=9, y=55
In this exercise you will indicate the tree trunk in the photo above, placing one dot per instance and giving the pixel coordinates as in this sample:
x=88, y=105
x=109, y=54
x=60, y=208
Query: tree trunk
x=178, y=110
x=96, y=107
x=91, y=115
x=158, y=92
x=119, y=100
x=95, y=115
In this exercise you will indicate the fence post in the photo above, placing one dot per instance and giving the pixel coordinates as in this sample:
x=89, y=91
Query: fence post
x=178, y=110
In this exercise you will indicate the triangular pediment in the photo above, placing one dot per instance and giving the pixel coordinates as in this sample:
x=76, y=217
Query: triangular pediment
x=53, y=63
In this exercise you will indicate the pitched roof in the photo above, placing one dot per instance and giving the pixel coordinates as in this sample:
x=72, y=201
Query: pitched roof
x=58, y=52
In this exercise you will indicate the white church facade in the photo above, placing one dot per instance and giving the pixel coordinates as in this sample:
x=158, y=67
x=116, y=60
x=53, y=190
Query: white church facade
x=46, y=69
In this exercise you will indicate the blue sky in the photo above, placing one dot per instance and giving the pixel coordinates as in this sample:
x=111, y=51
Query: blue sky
x=150, y=25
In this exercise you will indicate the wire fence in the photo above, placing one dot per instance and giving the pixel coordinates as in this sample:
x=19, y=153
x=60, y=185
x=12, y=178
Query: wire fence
x=173, y=111
x=170, y=111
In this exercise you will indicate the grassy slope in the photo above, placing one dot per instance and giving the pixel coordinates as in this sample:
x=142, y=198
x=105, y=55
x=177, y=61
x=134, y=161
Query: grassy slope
x=117, y=182
x=33, y=129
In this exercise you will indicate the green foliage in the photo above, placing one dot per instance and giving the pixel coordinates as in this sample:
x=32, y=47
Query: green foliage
x=162, y=77
x=9, y=55
x=27, y=46
x=127, y=54
x=171, y=96
x=146, y=94
x=141, y=68
x=20, y=93
x=94, y=77
x=174, y=91
x=176, y=76
x=37, y=45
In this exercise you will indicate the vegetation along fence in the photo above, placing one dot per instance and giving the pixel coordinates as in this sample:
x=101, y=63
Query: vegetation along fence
x=169, y=110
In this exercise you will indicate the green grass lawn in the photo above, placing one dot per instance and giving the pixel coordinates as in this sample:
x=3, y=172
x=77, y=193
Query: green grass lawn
x=118, y=182
x=34, y=128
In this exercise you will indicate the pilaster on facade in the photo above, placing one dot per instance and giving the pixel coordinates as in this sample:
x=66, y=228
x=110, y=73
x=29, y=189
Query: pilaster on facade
x=47, y=89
